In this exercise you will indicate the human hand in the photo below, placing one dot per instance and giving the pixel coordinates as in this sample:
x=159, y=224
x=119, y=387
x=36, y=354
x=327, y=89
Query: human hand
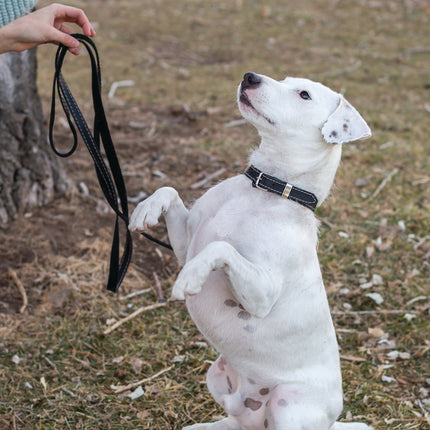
x=45, y=25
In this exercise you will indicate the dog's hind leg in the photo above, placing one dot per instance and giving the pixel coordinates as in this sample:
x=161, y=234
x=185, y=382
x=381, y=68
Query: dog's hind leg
x=229, y=423
x=294, y=407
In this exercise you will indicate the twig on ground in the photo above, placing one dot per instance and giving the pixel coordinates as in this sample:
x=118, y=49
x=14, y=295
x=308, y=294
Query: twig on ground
x=236, y=123
x=50, y=362
x=70, y=393
x=142, y=381
x=421, y=241
x=208, y=178
x=417, y=299
x=416, y=50
x=352, y=358
x=158, y=288
x=136, y=293
x=381, y=312
x=424, y=410
x=119, y=84
x=132, y=315
x=383, y=183
x=327, y=223
x=21, y=289
x=421, y=181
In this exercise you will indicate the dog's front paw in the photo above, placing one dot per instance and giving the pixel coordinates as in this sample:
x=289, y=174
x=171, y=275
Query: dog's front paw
x=191, y=279
x=149, y=211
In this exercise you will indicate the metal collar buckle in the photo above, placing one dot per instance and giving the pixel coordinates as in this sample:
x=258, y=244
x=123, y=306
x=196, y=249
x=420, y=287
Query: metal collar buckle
x=257, y=181
x=287, y=190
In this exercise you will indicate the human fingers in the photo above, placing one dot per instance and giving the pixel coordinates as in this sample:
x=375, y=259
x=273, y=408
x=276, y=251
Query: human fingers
x=58, y=36
x=66, y=29
x=64, y=13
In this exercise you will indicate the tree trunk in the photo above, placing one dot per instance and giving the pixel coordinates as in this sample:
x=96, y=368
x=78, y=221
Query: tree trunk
x=30, y=174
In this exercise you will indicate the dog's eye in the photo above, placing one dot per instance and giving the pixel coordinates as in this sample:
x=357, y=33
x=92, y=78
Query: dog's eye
x=305, y=95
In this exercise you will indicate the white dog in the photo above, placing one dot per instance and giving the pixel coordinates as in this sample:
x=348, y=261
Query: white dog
x=251, y=277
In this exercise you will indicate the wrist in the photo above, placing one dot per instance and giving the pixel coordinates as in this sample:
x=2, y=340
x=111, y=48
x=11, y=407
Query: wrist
x=11, y=38
x=6, y=43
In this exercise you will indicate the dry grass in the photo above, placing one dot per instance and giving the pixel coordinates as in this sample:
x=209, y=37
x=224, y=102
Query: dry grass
x=58, y=370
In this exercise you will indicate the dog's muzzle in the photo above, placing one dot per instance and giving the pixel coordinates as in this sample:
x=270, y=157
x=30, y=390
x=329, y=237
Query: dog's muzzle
x=250, y=80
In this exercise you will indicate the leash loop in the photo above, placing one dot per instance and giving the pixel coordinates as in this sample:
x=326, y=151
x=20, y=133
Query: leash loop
x=109, y=176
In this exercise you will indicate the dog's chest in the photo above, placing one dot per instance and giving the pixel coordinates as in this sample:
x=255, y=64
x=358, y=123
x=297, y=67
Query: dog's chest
x=229, y=212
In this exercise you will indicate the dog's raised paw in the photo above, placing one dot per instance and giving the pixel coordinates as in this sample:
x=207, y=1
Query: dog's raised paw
x=149, y=211
x=186, y=286
x=191, y=278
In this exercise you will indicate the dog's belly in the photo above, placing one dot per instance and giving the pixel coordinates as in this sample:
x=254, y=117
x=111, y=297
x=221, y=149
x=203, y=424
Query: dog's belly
x=271, y=349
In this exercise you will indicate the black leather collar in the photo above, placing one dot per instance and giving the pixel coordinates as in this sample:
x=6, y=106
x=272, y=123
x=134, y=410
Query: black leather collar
x=274, y=185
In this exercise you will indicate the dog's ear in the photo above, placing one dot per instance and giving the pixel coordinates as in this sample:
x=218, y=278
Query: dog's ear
x=345, y=124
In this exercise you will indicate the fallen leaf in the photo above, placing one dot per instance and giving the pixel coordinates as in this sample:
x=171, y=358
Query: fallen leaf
x=352, y=358
x=404, y=355
x=393, y=354
x=377, y=279
x=388, y=379
x=136, y=364
x=376, y=331
x=376, y=297
x=142, y=415
x=138, y=392
x=43, y=382
x=366, y=285
x=178, y=359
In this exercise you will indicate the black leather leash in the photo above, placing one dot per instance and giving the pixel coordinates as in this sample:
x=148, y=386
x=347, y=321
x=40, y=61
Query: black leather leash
x=109, y=175
x=281, y=188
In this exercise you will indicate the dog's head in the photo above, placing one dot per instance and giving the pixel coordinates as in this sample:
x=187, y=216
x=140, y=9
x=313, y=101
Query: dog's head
x=300, y=109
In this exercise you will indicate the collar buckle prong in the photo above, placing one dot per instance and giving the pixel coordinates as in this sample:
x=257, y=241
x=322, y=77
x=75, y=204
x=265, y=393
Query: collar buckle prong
x=287, y=190
x=257, y=181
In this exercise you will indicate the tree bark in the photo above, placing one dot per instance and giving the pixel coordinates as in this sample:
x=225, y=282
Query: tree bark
x=30, y=174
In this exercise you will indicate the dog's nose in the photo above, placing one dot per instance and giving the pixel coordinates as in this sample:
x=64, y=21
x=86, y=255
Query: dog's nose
x=250, y=80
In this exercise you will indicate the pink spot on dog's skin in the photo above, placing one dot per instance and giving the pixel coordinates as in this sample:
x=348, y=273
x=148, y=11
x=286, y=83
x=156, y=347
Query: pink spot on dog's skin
x=250, y=328
x=222, y=363
x=282, y=402
x=252, y=404
x=230, y=303
x=243, y=315
x=229, y=383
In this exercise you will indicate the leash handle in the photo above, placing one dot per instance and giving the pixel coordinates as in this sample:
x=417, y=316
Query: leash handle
x=109, y=176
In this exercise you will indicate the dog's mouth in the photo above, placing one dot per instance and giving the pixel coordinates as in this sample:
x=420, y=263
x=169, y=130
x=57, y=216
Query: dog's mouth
x=244, y=99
